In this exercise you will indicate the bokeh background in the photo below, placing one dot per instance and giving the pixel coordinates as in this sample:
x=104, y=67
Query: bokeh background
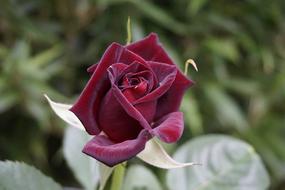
x=239, y=47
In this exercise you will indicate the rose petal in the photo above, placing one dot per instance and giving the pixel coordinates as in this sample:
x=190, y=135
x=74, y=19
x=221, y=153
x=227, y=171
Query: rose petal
x=62, y=110
x=115, y=121
x=87, y=105
x=150, y=49
x=171, y=100
x=136, y=68
x=147, y=109
x=154, y=154
x=170, y=127
x=124, y=59
x=166, y=75
x=104, y=150
x=118, y=68
x=128, y=107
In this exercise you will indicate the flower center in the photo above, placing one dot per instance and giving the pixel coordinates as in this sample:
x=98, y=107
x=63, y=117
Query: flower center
x=134, y=86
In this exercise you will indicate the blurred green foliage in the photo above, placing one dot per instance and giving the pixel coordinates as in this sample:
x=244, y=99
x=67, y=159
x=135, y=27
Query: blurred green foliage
x=239, y=47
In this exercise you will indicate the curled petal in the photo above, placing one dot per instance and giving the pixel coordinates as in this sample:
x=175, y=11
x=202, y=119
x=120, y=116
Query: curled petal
x=166, y=75
x=170, y=127
x=118, y=68
x=104, y=150
x=154, y=154
x=134, y=69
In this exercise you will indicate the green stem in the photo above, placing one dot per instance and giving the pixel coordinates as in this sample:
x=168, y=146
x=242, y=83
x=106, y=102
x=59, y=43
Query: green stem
x=118, y=176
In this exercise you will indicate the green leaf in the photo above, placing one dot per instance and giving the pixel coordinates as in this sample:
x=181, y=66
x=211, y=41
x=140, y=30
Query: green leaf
x=153, y=12
x=140, y=178
x=227, y=164
x=160, y=16
x=226, y=109
x=195, y=6
x=267, y=58
x=46, y=56
x=225, y=48
x=192, y=115
x=16, y=175
x=7, y=99
x=242, y=86
x=3, y=51
x=85, y=168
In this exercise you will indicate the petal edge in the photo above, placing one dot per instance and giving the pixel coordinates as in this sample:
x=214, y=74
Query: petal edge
x=170, y=127
x=104, y=150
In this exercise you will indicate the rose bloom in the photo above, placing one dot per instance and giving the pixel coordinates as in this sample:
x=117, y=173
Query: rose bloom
x=134, y=94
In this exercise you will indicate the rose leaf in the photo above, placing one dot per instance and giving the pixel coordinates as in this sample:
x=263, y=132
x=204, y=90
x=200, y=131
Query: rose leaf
x=226, y=163
x=84, y=168
x=17, y=175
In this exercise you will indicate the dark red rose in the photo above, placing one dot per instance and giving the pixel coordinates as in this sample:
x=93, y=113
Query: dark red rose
x=134, y=94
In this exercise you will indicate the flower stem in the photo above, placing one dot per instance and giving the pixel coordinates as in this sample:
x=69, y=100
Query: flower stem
x=118, y=176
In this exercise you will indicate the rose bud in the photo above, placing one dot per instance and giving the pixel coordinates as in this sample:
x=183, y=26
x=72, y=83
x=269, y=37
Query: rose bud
x=134, y=94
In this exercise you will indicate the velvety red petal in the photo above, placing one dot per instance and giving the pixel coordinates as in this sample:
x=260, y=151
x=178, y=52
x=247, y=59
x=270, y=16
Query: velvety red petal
x=87, y=105
x=137, y=68
x=170, y=127
x=147, y=109
x=166, y=75
x=171, y=100
x=124, y=58
x=115, y=122
x=150, y=49
x=103, y=149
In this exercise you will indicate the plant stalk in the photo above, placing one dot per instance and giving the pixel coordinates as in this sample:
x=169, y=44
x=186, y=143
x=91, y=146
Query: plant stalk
x=118, y=176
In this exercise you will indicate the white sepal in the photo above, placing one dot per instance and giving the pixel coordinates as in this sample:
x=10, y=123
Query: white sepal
x=154, y=154
x=62, y=110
